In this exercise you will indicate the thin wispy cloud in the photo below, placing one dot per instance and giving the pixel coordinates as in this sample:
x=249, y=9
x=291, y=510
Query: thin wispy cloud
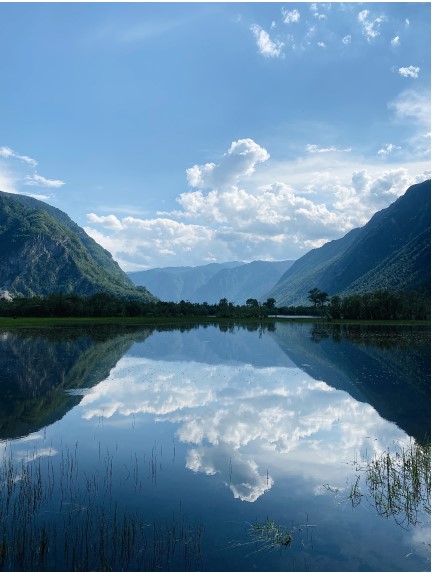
x=388, y=149
x=39, y=181
x=312, y=148
x=9, y=153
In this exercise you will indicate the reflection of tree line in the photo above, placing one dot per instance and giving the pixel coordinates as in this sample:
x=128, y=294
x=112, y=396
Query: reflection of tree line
x=383, y=336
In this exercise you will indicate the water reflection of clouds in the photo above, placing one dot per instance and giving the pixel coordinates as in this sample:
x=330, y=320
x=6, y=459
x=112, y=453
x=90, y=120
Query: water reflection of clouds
x=242, y=420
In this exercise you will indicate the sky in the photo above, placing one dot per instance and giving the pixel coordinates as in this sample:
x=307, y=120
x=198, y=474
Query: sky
x=181, y=134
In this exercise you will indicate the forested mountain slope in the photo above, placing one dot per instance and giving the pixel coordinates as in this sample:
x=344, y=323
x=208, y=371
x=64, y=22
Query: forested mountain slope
x=391, y=252
x=42, y=251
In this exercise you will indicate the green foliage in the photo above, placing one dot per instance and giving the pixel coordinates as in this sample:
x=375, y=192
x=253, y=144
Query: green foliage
x=42, y=252
x=379, y=305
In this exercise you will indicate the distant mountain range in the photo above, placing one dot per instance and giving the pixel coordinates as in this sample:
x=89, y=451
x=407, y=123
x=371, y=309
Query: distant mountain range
x=235, y=281
x=391, y=252
x=42, y=251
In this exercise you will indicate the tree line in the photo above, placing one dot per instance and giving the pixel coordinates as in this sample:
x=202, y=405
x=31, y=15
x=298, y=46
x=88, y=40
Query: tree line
x=378, y=305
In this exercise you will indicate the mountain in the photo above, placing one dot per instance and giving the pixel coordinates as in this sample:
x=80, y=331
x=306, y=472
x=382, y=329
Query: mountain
x=43, y=251
x=178, y=283
x=250, y=280
x=209, y=283
x=391, y=252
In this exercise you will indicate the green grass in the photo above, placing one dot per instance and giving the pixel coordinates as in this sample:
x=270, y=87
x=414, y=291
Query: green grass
x=29, y=322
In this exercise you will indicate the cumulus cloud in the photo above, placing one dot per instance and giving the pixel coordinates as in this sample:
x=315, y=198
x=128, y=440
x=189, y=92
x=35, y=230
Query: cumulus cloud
x=267, y=47
x=409, y=72
x=289, y=16
x=7, y=153
x=370, y=25
x=395, y=41
x=346, y=39
x=39, y=181
x=239, y=161
x=244, y=208
x=366, y=190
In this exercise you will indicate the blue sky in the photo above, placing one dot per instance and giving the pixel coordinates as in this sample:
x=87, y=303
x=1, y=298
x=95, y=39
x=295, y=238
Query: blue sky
x=188, y=133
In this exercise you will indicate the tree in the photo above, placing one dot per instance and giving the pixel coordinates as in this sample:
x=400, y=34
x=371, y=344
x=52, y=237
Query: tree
x=270, y=303
x=317, y=297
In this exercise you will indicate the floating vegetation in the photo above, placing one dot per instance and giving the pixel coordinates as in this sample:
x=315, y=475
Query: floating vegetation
x=397, y=483
x=54, y=519
x=271, y=534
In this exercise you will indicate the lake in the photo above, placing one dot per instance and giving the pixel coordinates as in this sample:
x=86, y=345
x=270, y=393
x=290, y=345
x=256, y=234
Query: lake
x=283, y=447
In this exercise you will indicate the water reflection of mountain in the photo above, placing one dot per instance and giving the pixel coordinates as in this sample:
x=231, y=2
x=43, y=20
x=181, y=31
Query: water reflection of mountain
x=385, y=366
x=37, y=367
x=205, y=344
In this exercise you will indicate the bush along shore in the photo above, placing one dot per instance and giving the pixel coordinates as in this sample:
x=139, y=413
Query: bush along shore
x=379, y=305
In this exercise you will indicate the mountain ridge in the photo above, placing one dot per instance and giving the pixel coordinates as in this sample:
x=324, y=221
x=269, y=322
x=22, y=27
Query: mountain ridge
x=392, y=251
x=235, y=281
x=43, y=251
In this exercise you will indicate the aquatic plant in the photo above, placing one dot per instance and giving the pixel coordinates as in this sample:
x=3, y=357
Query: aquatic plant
x=53, y=518
x=271, y=534
x=397, y=483
x=400, y=482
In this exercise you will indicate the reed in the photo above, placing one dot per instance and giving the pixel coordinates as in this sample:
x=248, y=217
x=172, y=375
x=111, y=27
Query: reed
x=53, y=517
x=397, y=483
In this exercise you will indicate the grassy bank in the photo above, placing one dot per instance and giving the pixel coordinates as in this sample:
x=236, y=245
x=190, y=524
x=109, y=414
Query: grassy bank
x=30, y=322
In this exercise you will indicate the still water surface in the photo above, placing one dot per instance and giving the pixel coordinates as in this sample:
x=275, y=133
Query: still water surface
x=211, y=448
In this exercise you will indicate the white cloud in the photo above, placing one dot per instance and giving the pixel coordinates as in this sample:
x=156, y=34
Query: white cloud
x=370, y=27
x=321, y=45
x=414, y=106
x=39, y=181
x=346, y=39
x=235, y=211
x=289, y=16
x=389, y=148
x=239, y=161
x=109, y=221
x=8, y=181
x=396, y=41
x=409, y=72
x=7, y=153
x=266, y=46
x=311, y=148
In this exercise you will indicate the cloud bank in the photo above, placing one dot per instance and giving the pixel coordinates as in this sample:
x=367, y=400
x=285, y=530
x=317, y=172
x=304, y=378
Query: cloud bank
x=235, y=212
